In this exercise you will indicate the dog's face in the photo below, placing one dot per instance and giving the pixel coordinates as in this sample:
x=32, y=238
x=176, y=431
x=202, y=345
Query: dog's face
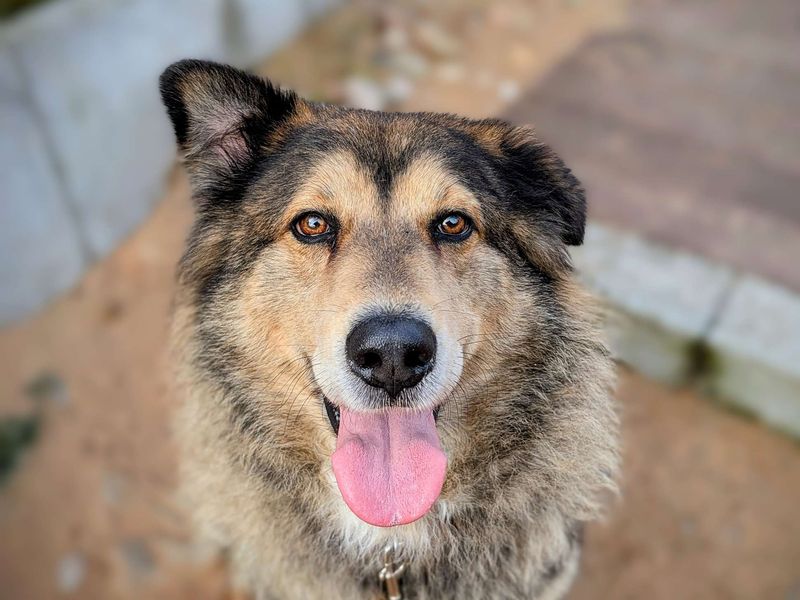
x=370, y=287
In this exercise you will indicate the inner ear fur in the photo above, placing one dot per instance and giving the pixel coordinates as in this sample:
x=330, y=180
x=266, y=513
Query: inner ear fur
x=223, y=117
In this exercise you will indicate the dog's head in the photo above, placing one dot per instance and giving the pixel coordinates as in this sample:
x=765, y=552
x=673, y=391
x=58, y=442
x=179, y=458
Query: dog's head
x=391, y=290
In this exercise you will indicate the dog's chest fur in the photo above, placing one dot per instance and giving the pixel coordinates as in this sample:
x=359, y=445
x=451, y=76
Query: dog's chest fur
x=284, y=545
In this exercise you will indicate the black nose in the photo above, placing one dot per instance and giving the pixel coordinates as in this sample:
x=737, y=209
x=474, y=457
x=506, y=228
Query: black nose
x=391, y=352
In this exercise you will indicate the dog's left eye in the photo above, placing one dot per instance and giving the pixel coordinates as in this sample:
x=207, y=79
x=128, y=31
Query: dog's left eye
x=311, y=227
x=453, y=227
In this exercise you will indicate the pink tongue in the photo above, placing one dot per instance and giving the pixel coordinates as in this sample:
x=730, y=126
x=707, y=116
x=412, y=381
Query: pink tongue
x=389, y=465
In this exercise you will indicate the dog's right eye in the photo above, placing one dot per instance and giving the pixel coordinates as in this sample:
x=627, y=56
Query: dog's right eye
x=312, y=228
x=452, y=227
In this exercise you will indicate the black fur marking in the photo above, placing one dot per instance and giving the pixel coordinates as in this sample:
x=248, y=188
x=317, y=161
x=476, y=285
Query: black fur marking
x=223, y=84
x=542, y=183
x=249, y=110
x=172, y=99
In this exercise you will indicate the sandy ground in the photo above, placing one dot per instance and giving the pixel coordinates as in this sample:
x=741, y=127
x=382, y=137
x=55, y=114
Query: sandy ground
x=708, y=504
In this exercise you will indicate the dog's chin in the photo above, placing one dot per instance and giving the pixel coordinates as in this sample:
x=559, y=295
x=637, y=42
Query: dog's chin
x=360, y=539
x=388, y=464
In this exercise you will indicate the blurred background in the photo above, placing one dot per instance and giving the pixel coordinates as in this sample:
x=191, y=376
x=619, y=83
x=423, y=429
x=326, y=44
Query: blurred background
x=681, y=118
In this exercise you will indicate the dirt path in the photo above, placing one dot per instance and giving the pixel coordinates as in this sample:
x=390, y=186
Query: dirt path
x=708, y=506
x=709, y=500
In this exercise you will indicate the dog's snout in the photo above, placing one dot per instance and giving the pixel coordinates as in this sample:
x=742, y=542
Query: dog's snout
x=391, y=352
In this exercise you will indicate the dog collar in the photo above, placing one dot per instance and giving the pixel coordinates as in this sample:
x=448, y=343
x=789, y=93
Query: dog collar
x=389, y=576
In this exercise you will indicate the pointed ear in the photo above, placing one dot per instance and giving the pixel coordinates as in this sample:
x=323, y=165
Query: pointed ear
x=223, y=118
x=543, y=185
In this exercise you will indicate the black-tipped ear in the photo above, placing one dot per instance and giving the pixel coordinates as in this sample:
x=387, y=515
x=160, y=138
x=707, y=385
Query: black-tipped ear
x=223, y=117
x=544, y=185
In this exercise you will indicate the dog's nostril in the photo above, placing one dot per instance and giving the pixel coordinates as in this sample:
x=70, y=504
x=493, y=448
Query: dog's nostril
x=416, y=358
x=369, y=360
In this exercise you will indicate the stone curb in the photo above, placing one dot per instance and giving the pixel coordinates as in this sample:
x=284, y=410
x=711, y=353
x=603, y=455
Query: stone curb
x=86, y=145
x=682, y=319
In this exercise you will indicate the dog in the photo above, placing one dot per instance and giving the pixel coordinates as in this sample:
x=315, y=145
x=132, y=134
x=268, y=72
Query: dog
x=392, y=384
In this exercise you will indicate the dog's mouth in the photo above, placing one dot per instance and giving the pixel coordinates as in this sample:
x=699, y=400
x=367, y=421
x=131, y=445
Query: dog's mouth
x=388, y=464
x=334, y=415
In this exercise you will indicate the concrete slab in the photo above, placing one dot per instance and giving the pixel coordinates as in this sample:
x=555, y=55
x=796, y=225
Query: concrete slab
x=680, y=318
x=89, y=72
x=39, y=247
x=101, y=107
x=756, y=352
x=665, y=300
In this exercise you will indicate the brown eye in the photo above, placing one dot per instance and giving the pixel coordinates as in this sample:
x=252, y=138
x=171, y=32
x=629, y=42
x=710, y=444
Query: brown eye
x=312, y=227
x=453, y=227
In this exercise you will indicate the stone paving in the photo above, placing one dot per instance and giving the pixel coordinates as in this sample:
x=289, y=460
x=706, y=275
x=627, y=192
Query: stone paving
x=684, y=127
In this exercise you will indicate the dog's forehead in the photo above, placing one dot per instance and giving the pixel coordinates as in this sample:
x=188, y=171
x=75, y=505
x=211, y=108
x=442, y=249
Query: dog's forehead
x=393, y=165
x=342, y=184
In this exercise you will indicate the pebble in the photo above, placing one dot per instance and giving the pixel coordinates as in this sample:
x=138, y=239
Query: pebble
x=138, y=558
x=48, y=387
x=114, y=486
x=398, y=89
x=508, y=90
x=436, y=40
x=395, y=38
x=451, y=72
x=360, y=92
x=410, y=63
x=70, y=572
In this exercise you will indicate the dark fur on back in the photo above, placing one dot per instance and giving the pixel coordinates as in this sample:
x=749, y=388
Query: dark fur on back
x=528, y=425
